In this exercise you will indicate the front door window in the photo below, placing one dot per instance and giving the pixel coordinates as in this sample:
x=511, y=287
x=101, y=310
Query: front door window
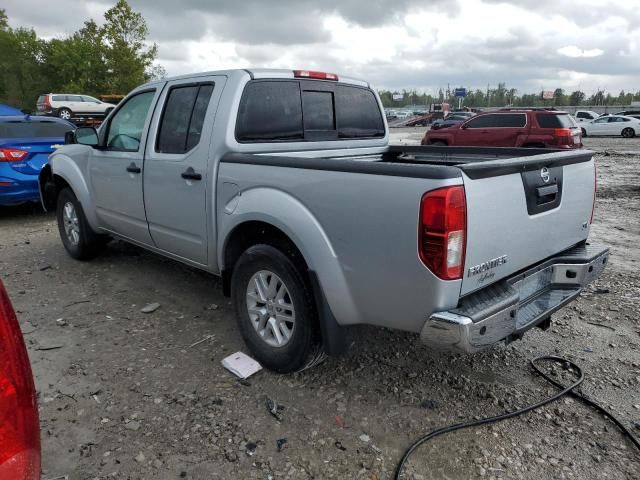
x=126, y=126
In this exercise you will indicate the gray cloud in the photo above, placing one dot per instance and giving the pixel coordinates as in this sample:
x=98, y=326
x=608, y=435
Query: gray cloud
x=267, y=32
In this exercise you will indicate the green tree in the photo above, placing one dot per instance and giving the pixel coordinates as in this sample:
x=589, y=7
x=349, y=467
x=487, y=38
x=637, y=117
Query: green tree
x=22, y=66
x=128, y=58
x=576, y=98
x=4, y=20
x=77, y=63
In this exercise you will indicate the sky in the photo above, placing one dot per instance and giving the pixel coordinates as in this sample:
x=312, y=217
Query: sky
x=531, y=45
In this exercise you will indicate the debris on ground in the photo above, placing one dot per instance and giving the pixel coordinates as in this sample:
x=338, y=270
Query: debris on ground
x=241, y=365
x=150, y=308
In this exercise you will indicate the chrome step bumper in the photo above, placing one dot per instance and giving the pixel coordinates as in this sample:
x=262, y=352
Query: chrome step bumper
x=512, y=306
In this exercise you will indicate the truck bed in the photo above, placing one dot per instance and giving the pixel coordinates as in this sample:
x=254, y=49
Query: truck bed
x=368, y=205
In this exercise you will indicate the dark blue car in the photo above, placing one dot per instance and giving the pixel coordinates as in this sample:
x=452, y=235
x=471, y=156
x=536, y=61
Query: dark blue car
x=25, y=145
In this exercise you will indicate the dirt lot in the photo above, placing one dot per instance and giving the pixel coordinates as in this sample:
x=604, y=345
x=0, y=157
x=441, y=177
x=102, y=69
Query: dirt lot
x=129, y=395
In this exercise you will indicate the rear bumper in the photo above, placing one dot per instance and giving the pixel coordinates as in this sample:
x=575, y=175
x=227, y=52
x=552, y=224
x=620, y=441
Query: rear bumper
x=507, y=309
x=16, y=191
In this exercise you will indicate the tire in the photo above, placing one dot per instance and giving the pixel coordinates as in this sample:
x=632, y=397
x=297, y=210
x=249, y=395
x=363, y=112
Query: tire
x=628, y=132
x=79, y=240
x=263, y=278
x=64, y=113
x=584, y=132
x=438, y=143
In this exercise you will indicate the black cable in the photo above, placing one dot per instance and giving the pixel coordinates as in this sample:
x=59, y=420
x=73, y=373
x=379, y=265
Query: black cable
x=567, y=364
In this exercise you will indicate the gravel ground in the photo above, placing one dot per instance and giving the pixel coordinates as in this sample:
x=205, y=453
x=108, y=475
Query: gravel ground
x=129, y=395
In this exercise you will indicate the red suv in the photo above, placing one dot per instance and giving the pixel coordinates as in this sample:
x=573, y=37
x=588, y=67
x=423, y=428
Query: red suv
x=511, y=128
x=19, y=426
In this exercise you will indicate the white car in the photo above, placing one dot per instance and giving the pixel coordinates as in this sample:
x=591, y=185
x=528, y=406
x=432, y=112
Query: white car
x=585, y=116
x=72, y=106
x=612, y=125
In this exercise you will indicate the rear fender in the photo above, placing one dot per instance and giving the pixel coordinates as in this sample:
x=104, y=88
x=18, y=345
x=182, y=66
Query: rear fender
x=286, y=213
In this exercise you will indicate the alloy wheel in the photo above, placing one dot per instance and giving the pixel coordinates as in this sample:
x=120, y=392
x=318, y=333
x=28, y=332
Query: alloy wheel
x=270, y=308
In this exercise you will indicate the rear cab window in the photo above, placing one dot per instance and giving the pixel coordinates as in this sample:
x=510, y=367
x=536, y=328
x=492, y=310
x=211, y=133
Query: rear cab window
x=550, y=120
x=307, y=110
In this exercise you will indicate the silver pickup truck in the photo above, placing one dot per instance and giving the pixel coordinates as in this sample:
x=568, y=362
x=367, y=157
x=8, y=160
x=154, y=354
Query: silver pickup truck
x=283, y=183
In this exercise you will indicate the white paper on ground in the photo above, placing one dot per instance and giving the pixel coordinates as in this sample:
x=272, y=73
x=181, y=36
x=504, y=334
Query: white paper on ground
x=241, y=365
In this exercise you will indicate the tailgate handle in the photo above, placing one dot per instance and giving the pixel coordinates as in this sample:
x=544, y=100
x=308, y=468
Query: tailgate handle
x=547, y=190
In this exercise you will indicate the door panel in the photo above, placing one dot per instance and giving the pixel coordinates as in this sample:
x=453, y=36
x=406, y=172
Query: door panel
x=116, y=171
x=179, y=210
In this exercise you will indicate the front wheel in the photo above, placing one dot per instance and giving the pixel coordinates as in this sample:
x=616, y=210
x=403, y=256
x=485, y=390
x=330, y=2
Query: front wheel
x=78, y=238
x=275, y=310
x=628, y=133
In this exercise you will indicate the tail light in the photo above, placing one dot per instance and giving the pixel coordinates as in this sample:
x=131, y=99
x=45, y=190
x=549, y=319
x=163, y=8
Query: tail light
x=315, y=75
x=443, y=231
x=47, y=103
x=595, y=189
x=562, y=132
x=19, y=425
x=12, y=155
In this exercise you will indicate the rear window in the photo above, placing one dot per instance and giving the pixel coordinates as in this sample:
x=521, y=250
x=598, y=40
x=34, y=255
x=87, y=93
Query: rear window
x=555, y=121
x=33, y=129
x=358, y=113
x=498, y=120
x=183, y=117
x=272, y=111
x=40, y=99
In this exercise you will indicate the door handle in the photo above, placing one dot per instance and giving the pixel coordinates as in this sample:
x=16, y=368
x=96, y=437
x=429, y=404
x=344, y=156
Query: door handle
x=133, y=168
x=190, y=174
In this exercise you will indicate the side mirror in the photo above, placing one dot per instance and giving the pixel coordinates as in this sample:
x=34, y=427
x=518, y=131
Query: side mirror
x=464, y=126
x=85, y=136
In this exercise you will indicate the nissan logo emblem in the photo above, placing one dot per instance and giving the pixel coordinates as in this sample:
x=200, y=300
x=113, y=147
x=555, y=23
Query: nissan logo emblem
x=544, y=174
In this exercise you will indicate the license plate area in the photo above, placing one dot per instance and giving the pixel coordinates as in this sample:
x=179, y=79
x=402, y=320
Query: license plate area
x=532, y=285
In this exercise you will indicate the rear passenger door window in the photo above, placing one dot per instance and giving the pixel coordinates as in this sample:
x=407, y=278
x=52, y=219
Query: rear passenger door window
x=181, y=123
x=498, y=120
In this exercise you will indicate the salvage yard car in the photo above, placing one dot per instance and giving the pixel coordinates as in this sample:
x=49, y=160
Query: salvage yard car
x=25, y=145
x=533, y=128
x=283, y=183
x=612, y=125
x=72, y=106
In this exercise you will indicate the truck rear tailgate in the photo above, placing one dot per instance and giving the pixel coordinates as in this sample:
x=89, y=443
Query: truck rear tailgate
x=522, y=211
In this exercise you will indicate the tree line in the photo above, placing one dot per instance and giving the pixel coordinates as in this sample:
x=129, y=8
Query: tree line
x=501, y=96
x=111, y=58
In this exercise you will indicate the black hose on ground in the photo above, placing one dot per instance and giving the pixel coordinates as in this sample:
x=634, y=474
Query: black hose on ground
x=567, y=364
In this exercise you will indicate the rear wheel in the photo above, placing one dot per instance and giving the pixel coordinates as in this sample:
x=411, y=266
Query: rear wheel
x=275, y=310
x=438, y=143
x=78, y=238
x=64, y=113
x=584, y=132
x=628, y=132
